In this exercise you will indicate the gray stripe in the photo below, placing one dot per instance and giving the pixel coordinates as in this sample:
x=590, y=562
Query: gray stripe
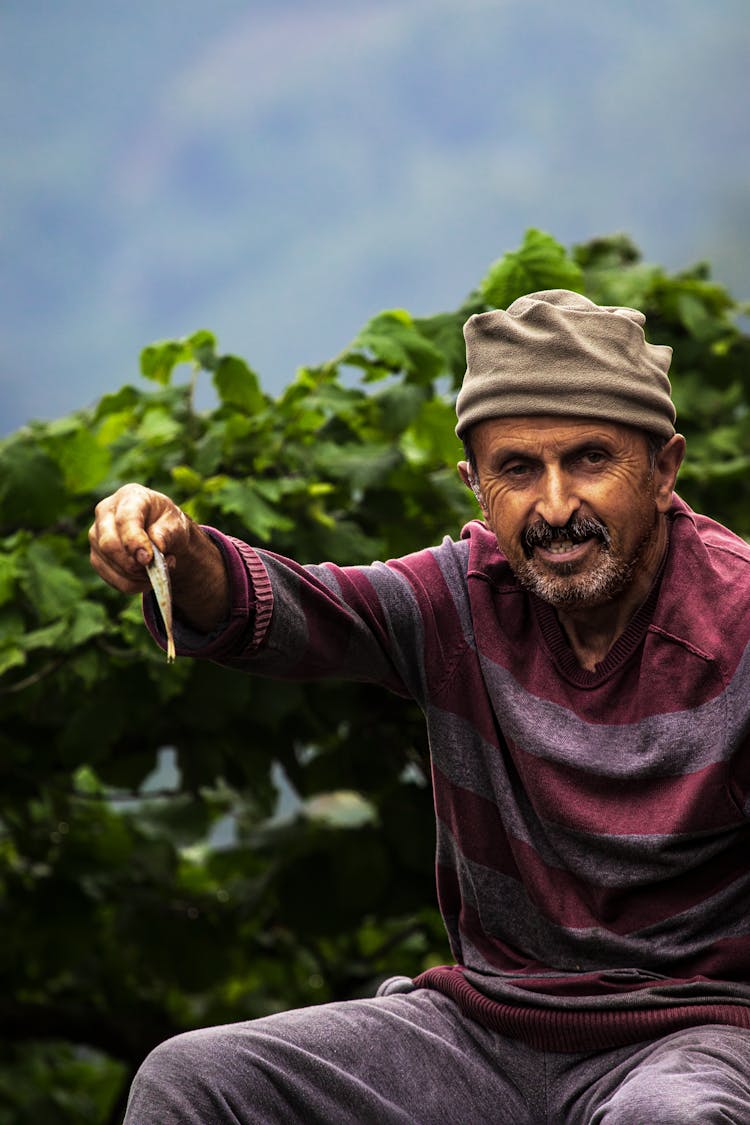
x=470, y=763
x=399, y=663
x=677, y=743
x=404, y=623
x=453, y=561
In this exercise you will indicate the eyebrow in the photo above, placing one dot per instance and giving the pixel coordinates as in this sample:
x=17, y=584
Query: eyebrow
x=503, y=456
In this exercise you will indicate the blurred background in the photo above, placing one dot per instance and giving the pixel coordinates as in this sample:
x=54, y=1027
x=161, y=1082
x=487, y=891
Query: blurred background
x=179, y=846
x=280, y=170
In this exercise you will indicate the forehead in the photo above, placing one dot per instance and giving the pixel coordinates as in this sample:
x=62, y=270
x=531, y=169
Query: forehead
x=541, y=434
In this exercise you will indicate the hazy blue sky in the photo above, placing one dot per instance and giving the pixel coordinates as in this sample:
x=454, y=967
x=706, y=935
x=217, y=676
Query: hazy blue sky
x=280, y=171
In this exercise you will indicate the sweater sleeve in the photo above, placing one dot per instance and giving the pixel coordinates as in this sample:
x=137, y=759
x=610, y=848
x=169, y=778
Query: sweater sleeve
x=379, y=623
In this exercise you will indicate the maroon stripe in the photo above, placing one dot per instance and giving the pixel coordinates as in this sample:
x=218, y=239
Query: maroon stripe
x=476, y=826
x=727, y=959
x=676, y=685
x=627, y=806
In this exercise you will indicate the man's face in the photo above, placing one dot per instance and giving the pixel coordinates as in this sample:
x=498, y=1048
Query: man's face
x=574, y=505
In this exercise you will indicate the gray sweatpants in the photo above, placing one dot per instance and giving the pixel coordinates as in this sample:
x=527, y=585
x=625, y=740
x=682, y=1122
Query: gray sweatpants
x=414, y=1059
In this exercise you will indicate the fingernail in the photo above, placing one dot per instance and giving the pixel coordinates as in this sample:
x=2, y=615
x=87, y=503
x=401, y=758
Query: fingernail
x=141, y=556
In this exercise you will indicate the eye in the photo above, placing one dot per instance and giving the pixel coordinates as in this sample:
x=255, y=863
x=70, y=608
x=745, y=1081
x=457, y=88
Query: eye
x=517, y=470
x=594, y=457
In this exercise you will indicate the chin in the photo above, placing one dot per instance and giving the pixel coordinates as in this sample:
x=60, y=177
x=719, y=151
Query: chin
x=567, y=590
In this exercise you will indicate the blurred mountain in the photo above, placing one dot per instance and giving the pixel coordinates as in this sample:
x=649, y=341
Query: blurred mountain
x=280, y=171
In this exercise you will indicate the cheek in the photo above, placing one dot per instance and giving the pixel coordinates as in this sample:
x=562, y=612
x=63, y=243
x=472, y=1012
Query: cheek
x=508, y=520
x=629, y=514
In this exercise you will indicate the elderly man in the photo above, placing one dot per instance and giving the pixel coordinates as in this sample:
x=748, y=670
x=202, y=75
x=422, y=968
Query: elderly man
x=579, y=655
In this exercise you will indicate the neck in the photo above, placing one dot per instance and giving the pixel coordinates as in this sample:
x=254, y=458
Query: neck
x=593, y=630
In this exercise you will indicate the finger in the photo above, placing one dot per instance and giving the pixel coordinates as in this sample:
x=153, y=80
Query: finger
x=135, y=509
x=126, y=583
x=119, y=545
x=170, y=530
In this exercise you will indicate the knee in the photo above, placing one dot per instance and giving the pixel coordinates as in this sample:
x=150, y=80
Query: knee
x=701, y=1076
x=174, y=1083
x=642, y=1100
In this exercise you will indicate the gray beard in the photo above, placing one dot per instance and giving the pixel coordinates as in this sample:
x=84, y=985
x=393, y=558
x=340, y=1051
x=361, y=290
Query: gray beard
x=568, y=590
x=602, y=583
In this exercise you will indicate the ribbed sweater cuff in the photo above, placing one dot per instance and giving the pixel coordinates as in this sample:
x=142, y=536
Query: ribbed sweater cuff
x=251, y=606
x=576, y=1030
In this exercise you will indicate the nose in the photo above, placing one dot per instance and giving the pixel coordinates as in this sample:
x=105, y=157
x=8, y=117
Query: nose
x=557, y=500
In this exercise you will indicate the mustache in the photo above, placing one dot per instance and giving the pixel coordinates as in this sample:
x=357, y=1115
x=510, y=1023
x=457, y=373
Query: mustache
x=576, y=530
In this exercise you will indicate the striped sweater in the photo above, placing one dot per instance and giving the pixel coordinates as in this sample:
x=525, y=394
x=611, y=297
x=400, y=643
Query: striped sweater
x=592, y=826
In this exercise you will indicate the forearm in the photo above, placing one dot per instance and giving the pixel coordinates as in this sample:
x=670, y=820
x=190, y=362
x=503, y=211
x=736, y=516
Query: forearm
x=200, y=585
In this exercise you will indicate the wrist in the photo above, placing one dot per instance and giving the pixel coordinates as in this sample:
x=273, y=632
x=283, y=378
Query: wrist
x=200, y=585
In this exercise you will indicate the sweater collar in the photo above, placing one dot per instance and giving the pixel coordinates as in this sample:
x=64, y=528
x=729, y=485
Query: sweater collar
x=623, y=648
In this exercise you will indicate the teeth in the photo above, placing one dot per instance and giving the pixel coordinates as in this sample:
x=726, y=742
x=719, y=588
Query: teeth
x=560, y=546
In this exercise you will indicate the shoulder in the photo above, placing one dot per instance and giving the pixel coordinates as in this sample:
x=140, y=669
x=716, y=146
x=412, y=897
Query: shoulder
x=484, y=559
x=705, y=594
x=722, y=553
x=474, y=552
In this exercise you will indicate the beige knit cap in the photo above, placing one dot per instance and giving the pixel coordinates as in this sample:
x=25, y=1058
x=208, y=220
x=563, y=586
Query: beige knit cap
x=556, y=352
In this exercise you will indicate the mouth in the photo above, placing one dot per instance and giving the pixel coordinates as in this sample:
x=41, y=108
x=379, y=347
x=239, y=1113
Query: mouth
x=562, y=546
x=565, y=544
x=565, y=550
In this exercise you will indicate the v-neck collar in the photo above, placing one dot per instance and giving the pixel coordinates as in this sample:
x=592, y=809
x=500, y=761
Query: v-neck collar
x=562, y=653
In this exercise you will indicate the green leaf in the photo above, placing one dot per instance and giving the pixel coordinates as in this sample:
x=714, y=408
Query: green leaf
x=49, y=636
x=51, y=588
x=12, y=655
x=159, y=360
x=540, y=263
x=242, y=499
x=186, y=479
x=696, y=317
x=237, y=385
x=10, y=570
x=395, y=342
x=202, y=345
x=120, y=402
x=83, y=460
x=431, y=437
x=445, y=331
x=399, y=405
x=159, y=427
x=89, y=620
x=361, y=465
x=32, y=491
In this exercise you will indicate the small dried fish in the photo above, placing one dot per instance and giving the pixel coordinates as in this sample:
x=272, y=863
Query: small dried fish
x=158, y=573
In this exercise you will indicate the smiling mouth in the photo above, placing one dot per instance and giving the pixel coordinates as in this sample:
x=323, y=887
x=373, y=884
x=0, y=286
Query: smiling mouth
x=564, y=541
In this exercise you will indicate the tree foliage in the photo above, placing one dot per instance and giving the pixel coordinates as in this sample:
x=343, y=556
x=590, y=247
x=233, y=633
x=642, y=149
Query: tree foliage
x=139, y=900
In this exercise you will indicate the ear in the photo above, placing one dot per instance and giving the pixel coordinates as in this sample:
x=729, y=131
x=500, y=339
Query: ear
x=666, y=468
x=467, y=476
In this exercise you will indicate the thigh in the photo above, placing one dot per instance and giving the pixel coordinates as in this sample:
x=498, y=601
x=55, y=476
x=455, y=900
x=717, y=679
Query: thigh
x=700, y=1075
x=409, y=1059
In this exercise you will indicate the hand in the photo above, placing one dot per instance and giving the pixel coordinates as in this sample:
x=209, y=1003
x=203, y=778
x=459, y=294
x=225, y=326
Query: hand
x=120, y=538
x=125, y=524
